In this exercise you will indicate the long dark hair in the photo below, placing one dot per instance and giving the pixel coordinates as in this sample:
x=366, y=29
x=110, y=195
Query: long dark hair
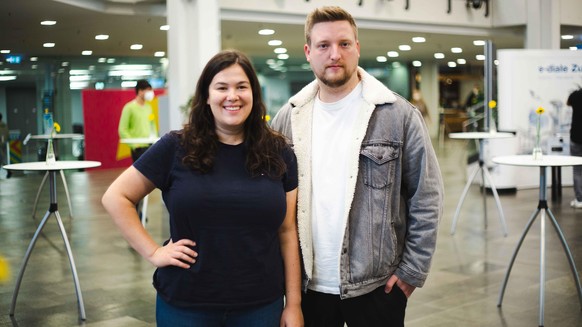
x=199, y=138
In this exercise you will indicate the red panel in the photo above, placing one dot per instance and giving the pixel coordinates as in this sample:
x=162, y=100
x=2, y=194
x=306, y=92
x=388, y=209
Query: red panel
x=101, y=112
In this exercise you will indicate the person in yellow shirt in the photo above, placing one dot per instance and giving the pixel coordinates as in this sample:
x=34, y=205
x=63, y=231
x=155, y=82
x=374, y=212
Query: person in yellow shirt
x=135, y=119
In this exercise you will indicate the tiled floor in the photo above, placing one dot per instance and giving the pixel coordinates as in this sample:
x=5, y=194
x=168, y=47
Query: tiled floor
x=462, y=289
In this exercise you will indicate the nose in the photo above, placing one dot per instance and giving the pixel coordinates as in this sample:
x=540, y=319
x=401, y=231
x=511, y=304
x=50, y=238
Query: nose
x=334, y=53
x=232, y=95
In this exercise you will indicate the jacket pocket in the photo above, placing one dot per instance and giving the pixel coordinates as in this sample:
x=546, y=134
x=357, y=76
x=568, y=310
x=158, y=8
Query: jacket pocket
x=379, y=161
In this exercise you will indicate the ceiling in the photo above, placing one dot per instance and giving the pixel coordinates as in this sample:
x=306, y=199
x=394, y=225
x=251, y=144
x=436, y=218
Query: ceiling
x=138, y=21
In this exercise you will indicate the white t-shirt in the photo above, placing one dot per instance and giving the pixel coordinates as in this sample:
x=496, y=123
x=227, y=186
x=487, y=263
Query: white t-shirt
x=332, y=135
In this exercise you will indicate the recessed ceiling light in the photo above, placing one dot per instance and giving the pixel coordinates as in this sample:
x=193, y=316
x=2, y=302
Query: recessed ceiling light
x=266, y=31
x=404, y=47
x=416, y=63
x=102, y=60
x=110, y=60
x=33, y=58
x=456, y=50
x=159, y=54
x=392, y=54
x=275, y=43
x=418, y=39
x=48, y=22
x=7, y=78
x=452, y=64
x=280, y=50
x=87, y=52
x=64, y=63
x=4, y=51
x=381, y=59
x=48, y=45
x=439, y=55
x=136, y=46
x=480, y=57
x=461, y=61
x=282, y=56
x=567, y=37
x=479, y=42
x=101, y=37
x=165, y=27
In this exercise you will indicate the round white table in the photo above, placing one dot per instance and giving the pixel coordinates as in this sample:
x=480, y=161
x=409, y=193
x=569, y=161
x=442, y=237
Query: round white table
x=148, y=141
x=480, y=136
x=139, y=140
x=543, y=163
x=53, y=209
x=74, y=136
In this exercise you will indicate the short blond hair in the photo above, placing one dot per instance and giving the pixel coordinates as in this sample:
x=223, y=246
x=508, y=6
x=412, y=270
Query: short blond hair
x=328, y=14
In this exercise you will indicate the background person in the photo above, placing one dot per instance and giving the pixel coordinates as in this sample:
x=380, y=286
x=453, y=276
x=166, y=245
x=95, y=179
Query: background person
x=370, y=189
x=575, y=101
x=230, y=186
x=135, y=121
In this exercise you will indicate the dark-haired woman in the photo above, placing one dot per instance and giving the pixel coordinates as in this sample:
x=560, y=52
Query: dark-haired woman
x=230, y=186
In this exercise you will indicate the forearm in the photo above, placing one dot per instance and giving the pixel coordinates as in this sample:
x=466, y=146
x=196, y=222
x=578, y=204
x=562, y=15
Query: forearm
x=290, y=253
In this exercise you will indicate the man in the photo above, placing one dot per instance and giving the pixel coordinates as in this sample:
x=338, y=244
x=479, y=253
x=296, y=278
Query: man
x=136, y=118
x=370, y=189
x=575, y=101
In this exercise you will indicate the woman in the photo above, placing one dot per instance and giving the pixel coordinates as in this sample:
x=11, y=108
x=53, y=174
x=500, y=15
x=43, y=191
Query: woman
x=230, y=186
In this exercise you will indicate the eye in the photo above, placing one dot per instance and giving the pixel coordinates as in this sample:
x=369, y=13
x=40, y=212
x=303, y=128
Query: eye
x=346, y=44
x=323, y=46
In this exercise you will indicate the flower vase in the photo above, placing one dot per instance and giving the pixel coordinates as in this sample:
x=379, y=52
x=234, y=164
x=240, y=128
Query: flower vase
x=537, y=153
x=50, y=153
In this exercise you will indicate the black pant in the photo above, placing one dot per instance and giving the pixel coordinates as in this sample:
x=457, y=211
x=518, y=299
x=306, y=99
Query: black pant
x=137, y=152
x=375, y=309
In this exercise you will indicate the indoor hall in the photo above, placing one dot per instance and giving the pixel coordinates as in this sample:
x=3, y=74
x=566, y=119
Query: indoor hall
x=116, y=283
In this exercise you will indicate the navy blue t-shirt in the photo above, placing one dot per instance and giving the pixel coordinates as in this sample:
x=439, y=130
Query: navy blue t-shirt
x=234, y=219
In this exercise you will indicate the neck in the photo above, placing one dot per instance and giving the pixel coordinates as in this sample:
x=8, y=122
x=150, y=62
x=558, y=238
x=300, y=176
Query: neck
x=139, y=100
x=333, y=94
x=230, y=138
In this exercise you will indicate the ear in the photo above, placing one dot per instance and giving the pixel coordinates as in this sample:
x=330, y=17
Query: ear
x=307, y=51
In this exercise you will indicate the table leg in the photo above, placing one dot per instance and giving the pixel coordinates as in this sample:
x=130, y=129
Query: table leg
x=80, y=302
x=144, y=209
x=542, y=266
x=25, y=261
x=483, y=192
x=568, y=254
x=507, y=273
x=53, y=209
x=38, y=194
x=67, y=193
x=462, y=199
x=497, y=201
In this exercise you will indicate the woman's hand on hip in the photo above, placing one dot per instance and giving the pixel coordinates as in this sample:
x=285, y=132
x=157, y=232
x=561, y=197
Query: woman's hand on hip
x=179, y=254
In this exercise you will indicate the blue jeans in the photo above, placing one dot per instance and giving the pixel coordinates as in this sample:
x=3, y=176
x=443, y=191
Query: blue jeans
x=576, y=150
x=268, y=315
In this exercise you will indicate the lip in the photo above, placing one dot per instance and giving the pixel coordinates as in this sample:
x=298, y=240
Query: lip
x=232, y=108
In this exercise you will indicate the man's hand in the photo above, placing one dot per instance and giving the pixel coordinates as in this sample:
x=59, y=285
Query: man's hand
x=406, y=288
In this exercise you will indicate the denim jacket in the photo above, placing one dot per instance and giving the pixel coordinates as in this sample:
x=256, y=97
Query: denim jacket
x=395, y=190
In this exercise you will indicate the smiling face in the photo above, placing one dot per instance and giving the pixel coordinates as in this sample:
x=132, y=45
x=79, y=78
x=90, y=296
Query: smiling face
x=230, y=98
x=333, y=54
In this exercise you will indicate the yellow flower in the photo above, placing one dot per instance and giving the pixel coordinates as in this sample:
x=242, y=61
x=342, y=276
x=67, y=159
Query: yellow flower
x=4, y=270
x=151, y=117
x=57, y=127
x=492, y=104
x=267, y=117
x=540, y=110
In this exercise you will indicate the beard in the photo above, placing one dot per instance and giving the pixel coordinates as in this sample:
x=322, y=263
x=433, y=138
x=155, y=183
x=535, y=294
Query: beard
x=336, y=81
